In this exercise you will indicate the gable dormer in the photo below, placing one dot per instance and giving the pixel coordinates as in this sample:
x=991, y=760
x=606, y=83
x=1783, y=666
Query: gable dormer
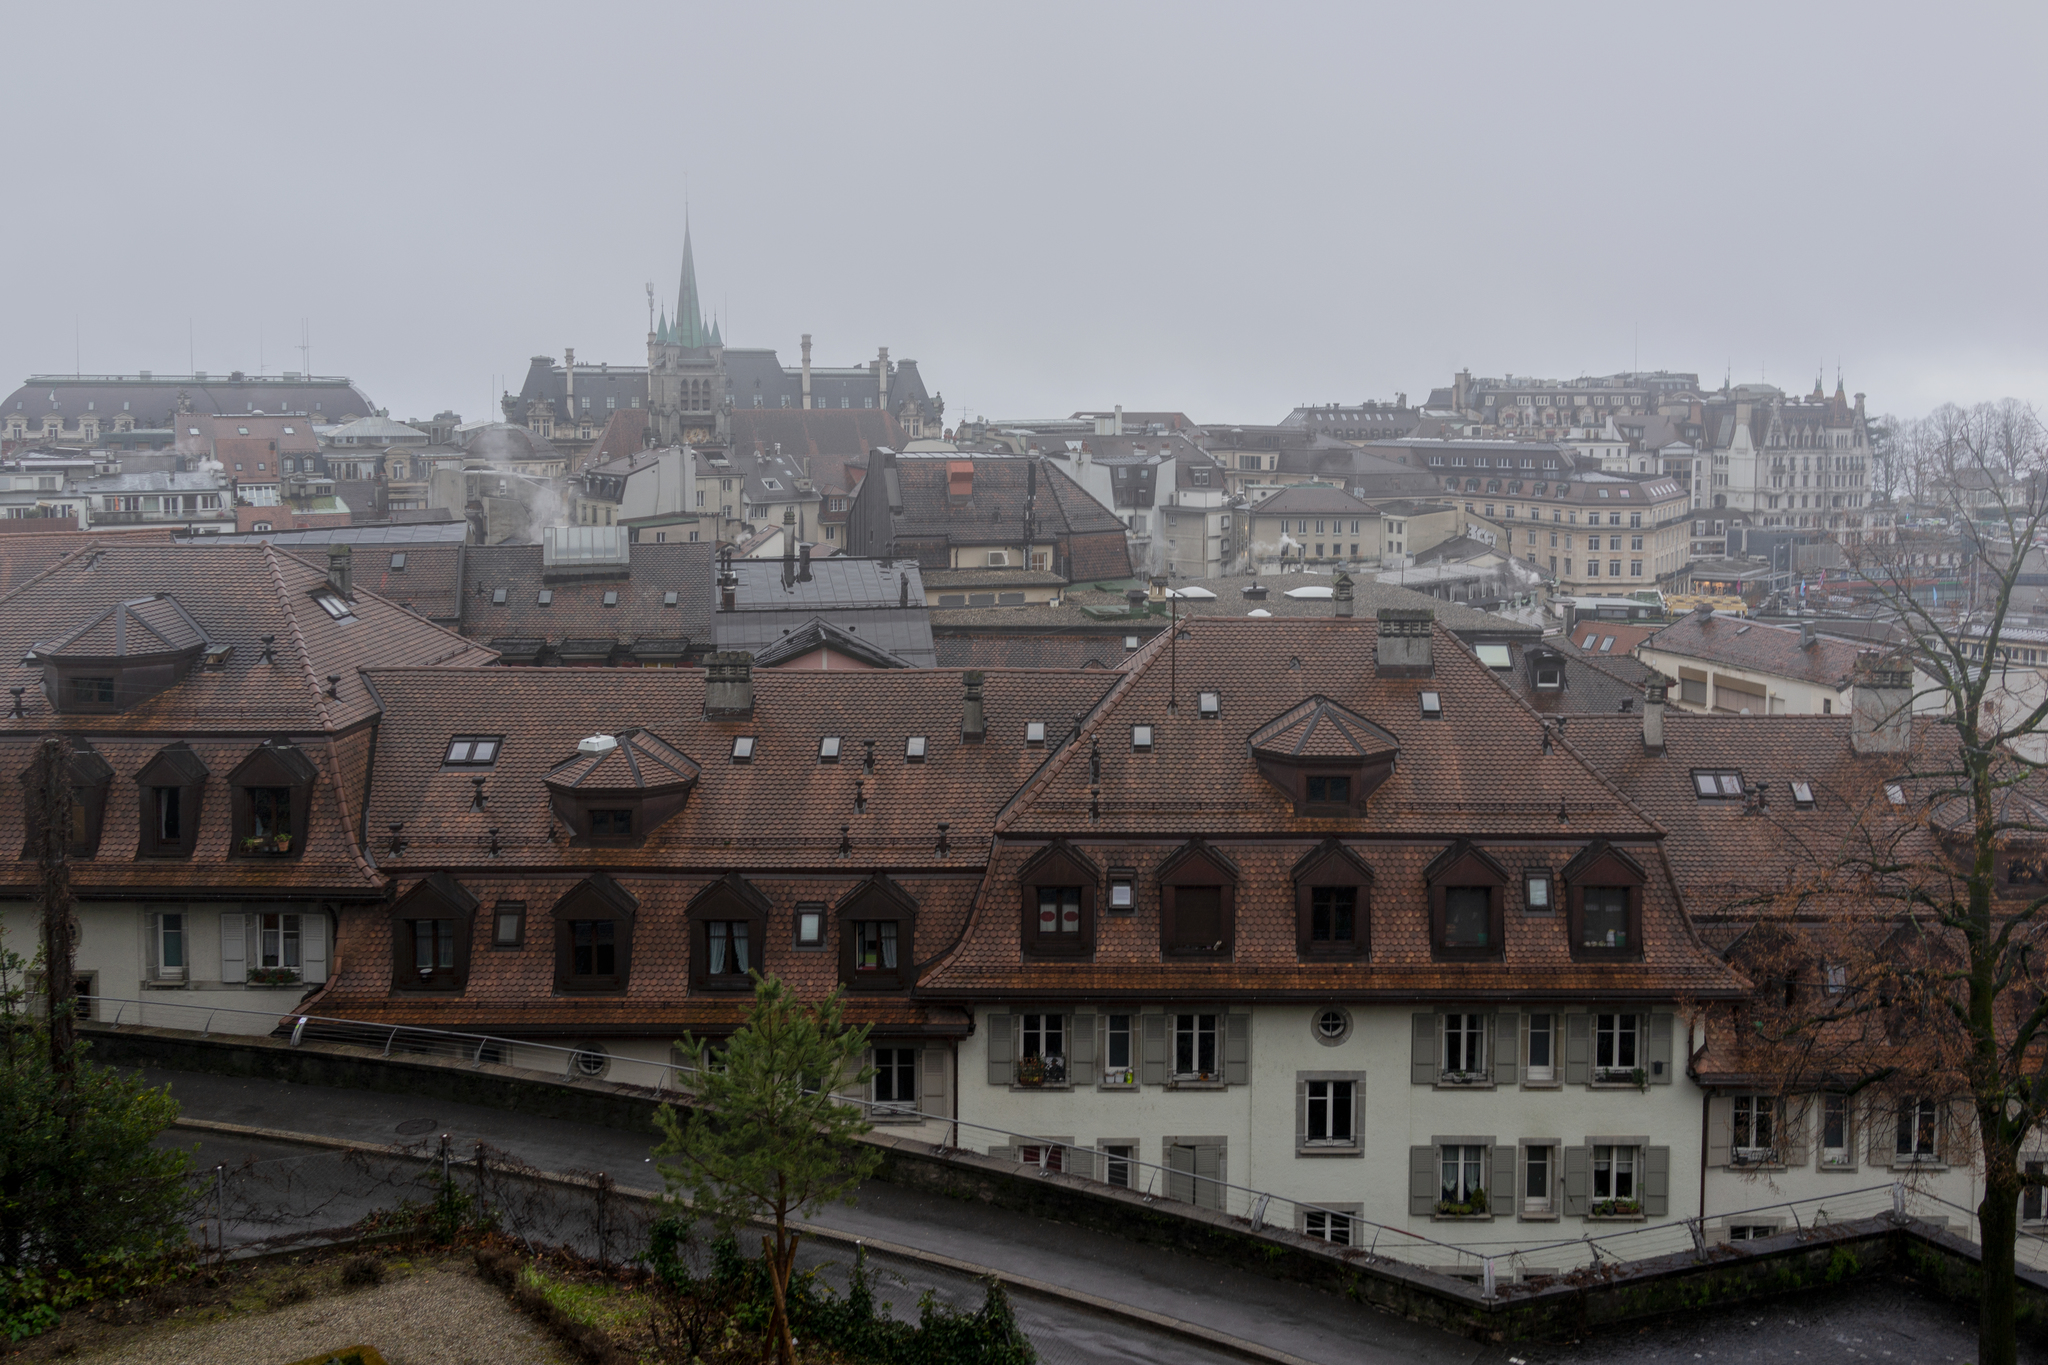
x=728, y=934
x=1059, y=885
x=877, y=934
x=1467, y=889
x=271, y=792
x=120, y=657
x=1198, y=902
x=171, y=785
x=90, y=777
x=617, y=789
x=1327, y=759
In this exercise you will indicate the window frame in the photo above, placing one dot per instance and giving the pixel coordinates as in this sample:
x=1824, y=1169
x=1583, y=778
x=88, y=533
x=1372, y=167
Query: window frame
x=1628, y=1025
x=1465, y=867
x=1197, y=865
x=434, y=898
x=274, y=766
x=1351, y=1102
x=469, y=743
x=729, y=900
x=1603, y=867
x=878, y=899
x=1217, y=1031
x=1332, y=865
x=1058, y=866
x=1551, y=1205
x=597, y=898
x=188, y=777
x=1552, y=1073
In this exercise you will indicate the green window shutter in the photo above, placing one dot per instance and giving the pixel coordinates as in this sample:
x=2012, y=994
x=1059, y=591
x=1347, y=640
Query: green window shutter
x=1422, y=1058
x=1792, y=1136
x=149, y=933
x=1081, y=1049
x=1180, y=1173
x=1577, y=1179
x=1154, y=1064
x=1578, y=1049
x=313, y=947
x=1720, y=1130
x=1423, y=1181
x=1500, y=1188
x=234, y=967
x=1659, y=1056
x=1002, y=1052
x=1656, y=1181
x=1301, y=1114
x=1237, y=1049
x=1505, y=1037
x=1209, y=1176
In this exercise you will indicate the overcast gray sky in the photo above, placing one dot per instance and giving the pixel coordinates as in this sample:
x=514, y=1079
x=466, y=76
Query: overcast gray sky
x=1222, y=209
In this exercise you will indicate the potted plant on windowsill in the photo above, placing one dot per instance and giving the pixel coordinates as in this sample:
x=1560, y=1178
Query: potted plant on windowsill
x=1616, y=1208
x=1473, y=1206
x=1119, y=1076
x=273, y=976
x=1622, y=1075
x=1031, y=1071
x=1464, y=1078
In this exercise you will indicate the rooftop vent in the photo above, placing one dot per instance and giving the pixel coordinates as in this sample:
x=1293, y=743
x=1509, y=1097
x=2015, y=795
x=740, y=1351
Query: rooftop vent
x=596, y=744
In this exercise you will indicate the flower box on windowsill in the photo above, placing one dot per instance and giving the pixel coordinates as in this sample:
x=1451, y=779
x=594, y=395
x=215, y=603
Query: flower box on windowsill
x=266, y=845
x=1198, y=1080
x=1616, y=1211
x=1465, y=1080
x=273, y=976
x=1122, y=1078
x=1634, y=1077
x=1040, y=1073
x=1473, y=1210
x=1753, y=1158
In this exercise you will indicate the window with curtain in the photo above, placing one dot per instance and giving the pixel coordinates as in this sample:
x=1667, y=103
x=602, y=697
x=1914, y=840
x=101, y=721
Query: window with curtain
x=728, y=948
x=874, y=945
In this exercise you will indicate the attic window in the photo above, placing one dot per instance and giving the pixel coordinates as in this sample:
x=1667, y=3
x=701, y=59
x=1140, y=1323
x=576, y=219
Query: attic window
x=498, y=597
x=772, y=485
x=1130, y=642
x=611, y=599
x=1209, y=705
x=1549, y=679
x=743, y=749
x=333, y=606
x=1034, y=733
x=1432, y=705
x=546, y=597
x=1495, y=656
x=668, y=599
x=1895, y=793
x=1141, y=738
x=913, y=749
x=1717, y=785
x=828, y=749
x=398, y=562
x=1606, y=643
x=1802, y=795
x=473, y=751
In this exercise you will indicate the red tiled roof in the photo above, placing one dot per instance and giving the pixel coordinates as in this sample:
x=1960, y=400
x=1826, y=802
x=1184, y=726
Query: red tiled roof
x=1030, y=651
x=22, y=557
x=1759, y=648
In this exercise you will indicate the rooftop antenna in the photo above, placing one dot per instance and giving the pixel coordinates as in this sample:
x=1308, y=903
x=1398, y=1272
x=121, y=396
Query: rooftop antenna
x=650, y=305
x=306, y=347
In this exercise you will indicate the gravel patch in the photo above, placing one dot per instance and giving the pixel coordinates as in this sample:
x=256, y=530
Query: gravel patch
x=443, y=1315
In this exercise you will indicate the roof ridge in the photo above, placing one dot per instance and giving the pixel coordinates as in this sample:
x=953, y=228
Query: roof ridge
x=271, y=556
x=1056, y=761
x=59, y=562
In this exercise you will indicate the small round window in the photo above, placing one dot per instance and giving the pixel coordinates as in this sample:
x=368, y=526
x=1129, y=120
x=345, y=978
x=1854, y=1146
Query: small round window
x=591, y=1061
x=1332, y=1025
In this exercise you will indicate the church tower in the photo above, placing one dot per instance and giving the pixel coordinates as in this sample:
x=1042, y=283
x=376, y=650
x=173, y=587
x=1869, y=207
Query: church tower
x=688, y=393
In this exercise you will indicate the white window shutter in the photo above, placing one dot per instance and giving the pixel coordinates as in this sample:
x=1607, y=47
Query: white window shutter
x=234, y=962
x=313, y=947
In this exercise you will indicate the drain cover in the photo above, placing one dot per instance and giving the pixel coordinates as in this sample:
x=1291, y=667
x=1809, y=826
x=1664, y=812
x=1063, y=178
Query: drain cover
x=412, y=1126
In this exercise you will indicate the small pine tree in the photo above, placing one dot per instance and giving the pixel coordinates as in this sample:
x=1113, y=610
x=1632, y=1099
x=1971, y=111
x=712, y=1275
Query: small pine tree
x=766, y=1139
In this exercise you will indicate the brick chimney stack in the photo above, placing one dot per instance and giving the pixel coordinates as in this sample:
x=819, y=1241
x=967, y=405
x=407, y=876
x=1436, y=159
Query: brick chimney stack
x=1653, y=719
x=973, y=721
x=729, y=686
x=1405, y=637
x=1341, y=592
x=340, y=571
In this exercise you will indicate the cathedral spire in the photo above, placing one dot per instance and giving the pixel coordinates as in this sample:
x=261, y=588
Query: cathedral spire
x=689, y=323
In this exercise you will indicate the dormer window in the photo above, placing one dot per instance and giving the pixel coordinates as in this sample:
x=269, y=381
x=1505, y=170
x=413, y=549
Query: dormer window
x=1059, y=886
x=171, y=785
x=1604, y=903
x=430, y=936
x=1466, y=888
x=1325, y=758
x=272, y=795
x=594, y=936
x=877, y=933
x=728, y=927
x=1332, y=903
x=620, y=788
x=89, y=778
x=1198, y=903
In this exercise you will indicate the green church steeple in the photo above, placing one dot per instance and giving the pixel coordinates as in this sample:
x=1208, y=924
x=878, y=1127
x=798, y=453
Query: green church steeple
x=689, y=329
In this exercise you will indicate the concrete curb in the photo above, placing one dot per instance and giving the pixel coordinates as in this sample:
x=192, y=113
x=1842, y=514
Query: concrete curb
x=1207, y=1336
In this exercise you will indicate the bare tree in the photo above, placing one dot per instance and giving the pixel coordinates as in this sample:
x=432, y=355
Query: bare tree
x=1909, y=969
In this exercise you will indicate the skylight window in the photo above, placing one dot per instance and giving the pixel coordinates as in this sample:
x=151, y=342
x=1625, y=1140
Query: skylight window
x=1895, y=793
x=772, y=485
x=1432, y=705
x=1606, y=644
x=828, y=749
x=1587, y=643
x=1034, y=733
x=1718, y=785
x=611, y=598
x=1141, y=738
x=398, y=562
x=1802, y=795
x=743, y=749
x=546, y=597
x=498, y=597
x=1495, y=656
x=810, y=926
x=668, y=599
x=473, y=751
x=913, y=749
x=1209, y=705
x=333, y=606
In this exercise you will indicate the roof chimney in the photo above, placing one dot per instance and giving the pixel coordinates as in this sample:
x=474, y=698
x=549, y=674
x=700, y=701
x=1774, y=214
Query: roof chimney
x=807, y=369
x=340, y=576
x=1882, y=712
x=973, y=723
x=803, y=567
x=728, y=587
x=903, y=588
x=1705, y=611
x=1807, y=639
x=1341, y=591
x=882, y=370
x=729, y=685
x=1404, y=643
x=1653, y=719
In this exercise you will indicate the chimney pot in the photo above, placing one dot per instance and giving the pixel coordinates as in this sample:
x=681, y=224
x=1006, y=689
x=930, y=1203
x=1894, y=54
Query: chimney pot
x=1882, y=712
x=1340, y=591
x=729, y=685
x=973, y=719
x=340, y=576
x=1403, y=649
x=1653, y=719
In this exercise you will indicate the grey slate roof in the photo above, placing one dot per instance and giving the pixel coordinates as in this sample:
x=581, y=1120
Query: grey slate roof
x=819, y=633
x=153, y=401
x=427, y=533
x=840, y=582
x=903, y=631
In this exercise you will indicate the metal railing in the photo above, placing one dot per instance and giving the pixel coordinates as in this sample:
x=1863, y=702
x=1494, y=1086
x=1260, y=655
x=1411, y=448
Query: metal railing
x=1490, y=1263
